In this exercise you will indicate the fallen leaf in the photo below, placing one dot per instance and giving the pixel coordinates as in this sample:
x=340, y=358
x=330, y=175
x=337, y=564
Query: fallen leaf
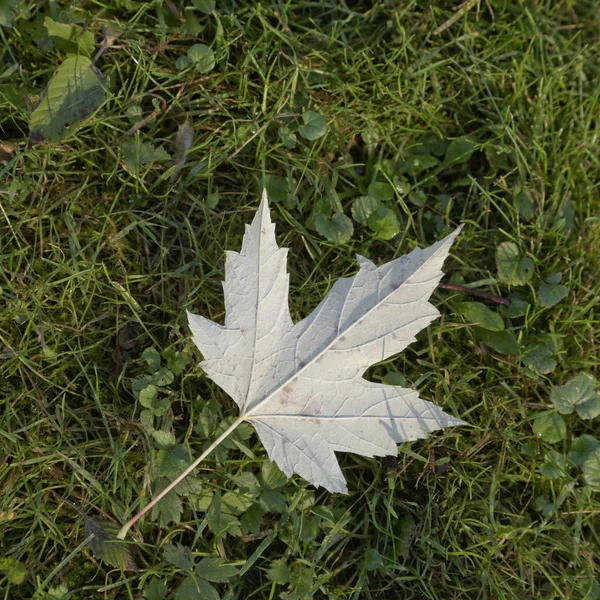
x=76, y=90
x=302, y=385
x=103, y=542
x=184, y=140
x=70, y=38
x=105, y=545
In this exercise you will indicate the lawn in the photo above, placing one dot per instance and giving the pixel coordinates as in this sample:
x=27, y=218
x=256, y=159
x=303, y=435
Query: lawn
x=136, y=138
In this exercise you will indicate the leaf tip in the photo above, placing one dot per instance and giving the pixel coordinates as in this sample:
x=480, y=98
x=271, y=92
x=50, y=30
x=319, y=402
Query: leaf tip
x=264, y=202
x=452, y=236
x=263, y=214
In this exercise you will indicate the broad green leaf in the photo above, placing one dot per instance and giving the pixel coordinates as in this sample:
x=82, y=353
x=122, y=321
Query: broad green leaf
x=13, y=570
x=219, y=521
x=61, y=592
x=215, y=569
x=135, y=113
x=404, y=530
x=539, y=354
x=459, y=150
x=70, y=38
x=160, y=406
x=313, y=126
x=363, y=207
x=590, y=409
x=551, y=471
x=204, y=6
x=248, y=484
x=278, y=188
x=479, y=314
x=193, y=588
x=549, y=294
x=212, y=200
x=550, y=427
x=432, y=143
x=155, y=589
x=251, y=520
x=524, y=205
x=163, y=439
x=554, y=465
x=192, y=26
x=201, y=502
x=513, y=268
x=236, y=504
x=373, y=560
x=152, y=358
x=205, y=424
x=591, y=469
x=176, y=361
x=305, y=528
x=417, y=198
x=271, y=476
x=581, y=448
x=529, y=449
x=148, y=396
x=183, y=62
x=273, y=501
x=384, y=223
x=498, y=157
x=179, y=555
x=173, y=461
x=370, y=135
x=237, y=437
x=147, y=418
x=169, y=509
x=395, y=378
x=202, y=57
x=542, y=504
x=213, y=515
x=138, y=153
x=419, y=163
x=105, y=545
x=381, y=190
x=518, y=307
x=577, y=394
x=338, y=229
x=10, y=9
x=279, y=572
x=288, y=138
x=163, y=377
x=76, y=91
x=589, y=588
x=503, y=342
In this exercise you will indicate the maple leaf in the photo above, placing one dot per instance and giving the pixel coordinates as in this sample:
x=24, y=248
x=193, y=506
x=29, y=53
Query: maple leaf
x=301, y=385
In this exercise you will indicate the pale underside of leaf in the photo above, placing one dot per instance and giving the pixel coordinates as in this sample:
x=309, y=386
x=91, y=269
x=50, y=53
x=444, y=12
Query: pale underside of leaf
x=302, y=385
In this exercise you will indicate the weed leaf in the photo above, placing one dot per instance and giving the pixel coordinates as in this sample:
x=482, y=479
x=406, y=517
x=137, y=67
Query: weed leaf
x=70, y=38
x=105, y=545
x=76, y=91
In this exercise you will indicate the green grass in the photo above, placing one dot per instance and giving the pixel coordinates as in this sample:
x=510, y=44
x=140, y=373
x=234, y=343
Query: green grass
x=98, y=262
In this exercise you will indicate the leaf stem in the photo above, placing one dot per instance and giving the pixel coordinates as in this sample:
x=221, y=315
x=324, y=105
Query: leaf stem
x=472, y=292
x=124, y=530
